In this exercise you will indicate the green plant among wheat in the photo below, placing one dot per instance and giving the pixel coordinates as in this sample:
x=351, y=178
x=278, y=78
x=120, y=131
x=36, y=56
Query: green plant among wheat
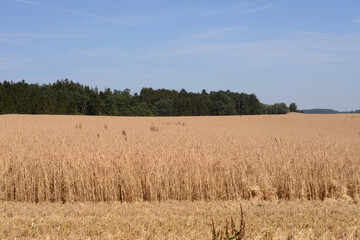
x=230, y=233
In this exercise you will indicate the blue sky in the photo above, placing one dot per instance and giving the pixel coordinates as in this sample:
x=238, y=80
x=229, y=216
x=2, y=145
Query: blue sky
x=306, y=52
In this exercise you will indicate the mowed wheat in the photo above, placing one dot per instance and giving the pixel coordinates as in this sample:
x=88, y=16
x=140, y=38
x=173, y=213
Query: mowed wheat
x=84, y=158
x=321, y=220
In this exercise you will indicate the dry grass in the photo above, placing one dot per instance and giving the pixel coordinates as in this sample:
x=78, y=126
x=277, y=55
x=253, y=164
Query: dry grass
x=76, y=158
x=321, y=220
x=230, y=232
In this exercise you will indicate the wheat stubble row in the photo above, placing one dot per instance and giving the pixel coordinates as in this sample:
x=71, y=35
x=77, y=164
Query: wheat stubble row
x=330, y=219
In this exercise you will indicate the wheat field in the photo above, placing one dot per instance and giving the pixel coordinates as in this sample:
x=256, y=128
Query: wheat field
x=78, y=158
x=71, y=160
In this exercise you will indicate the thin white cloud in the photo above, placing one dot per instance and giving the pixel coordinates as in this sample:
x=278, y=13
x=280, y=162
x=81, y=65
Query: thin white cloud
x=25, y=38
x=8, y=54
x=356, y=20
x=27, y=2
x=97, y=52
x=79, y=13
x=50, y=34
x=216, y=33
x=319, y=35
x=290, y=50
x=223, y=10
x=241, y=9
x=256, y=9
x=307, y=33
x=4, y=40
x=14, y=61
x=88, y=15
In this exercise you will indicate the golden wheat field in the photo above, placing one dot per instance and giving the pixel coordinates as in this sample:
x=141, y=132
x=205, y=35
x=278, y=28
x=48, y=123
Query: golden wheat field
x=67, y=177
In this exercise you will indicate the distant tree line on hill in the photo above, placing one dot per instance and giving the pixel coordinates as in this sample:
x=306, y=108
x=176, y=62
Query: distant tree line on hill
x=326, y=111
x=68, y=97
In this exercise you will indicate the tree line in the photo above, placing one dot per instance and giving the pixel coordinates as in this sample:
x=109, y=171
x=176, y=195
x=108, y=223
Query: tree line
x=68, y=97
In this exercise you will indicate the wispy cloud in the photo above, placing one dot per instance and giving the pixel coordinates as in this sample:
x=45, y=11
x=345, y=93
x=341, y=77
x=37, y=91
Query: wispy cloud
x=79, y=13
x=223, y=10
x=216, y=33
x=256, y=9
x=24, y=38
x=2, y=54
x=307, y=33
x=47, y=34
x=14, y=61
x=4, y=40
x=356, y=20
x=97, y=52
x=116, y=20
x=244, y=8
x=27, y=2
x=318, y=35
x=291, y=50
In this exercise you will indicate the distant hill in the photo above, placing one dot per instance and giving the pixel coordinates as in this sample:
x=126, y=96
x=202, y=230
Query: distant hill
x=320, y=111
x=325, y=111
